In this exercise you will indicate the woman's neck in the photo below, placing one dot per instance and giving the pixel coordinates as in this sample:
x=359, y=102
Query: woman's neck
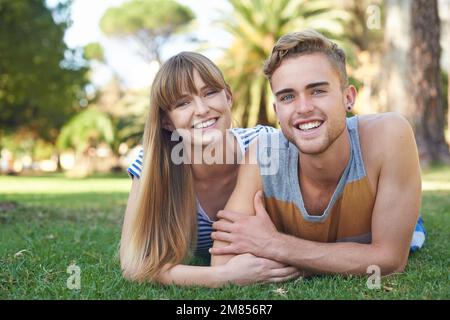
x=223, y=160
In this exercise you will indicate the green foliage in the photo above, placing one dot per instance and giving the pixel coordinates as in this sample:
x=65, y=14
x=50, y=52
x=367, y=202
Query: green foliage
x=94, y=51
x=40, y=78
x=87, y=129
x=151, y=22
x=256, y=25
x=359, y=32
x=23, y=143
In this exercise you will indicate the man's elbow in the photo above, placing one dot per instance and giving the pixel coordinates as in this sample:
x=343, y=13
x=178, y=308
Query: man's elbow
x=392, y=263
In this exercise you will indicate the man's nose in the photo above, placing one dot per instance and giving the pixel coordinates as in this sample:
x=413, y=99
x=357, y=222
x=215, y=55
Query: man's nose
x=304, y=105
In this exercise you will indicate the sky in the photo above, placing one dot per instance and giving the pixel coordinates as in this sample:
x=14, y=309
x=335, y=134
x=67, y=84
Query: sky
x=120, y=56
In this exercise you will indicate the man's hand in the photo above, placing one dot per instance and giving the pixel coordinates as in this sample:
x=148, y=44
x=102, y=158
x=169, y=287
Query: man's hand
x=244, y=233
x=247, y=269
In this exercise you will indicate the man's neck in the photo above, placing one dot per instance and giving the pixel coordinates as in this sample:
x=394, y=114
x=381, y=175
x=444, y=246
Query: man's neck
x=325, y=169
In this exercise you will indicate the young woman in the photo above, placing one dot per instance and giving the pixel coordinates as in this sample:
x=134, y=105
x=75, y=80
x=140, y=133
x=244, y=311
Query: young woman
x=172, y=205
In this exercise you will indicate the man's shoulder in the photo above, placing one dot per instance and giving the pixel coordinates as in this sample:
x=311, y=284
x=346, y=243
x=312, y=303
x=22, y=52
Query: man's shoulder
x=386, y=127
x=386, y=140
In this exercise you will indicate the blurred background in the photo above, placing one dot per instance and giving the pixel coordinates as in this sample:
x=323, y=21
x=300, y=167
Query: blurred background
x=75, y=74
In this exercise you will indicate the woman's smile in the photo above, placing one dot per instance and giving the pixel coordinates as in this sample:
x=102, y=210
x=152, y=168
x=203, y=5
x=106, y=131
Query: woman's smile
x=206, y=124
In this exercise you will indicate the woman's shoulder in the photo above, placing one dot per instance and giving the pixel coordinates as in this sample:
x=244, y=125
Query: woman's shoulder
x=246, y=135
x=135, y=169
x=258, y=128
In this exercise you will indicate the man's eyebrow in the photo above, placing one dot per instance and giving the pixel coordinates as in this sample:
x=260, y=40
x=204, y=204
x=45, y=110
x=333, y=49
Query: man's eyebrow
x=287, y=90
x=317, y=84
x=308, y=86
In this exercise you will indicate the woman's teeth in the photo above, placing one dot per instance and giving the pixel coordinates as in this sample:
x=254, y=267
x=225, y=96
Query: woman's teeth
x=309, y=125
x=205, y=124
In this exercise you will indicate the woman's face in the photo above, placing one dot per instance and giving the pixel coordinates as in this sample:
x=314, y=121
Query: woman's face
x=203, y=117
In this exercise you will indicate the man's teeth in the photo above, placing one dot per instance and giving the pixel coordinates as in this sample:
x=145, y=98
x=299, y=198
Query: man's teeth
x=205, y=124
x=309, y=125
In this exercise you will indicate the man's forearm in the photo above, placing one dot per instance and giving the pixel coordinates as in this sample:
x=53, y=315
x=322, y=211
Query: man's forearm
x=331, y=258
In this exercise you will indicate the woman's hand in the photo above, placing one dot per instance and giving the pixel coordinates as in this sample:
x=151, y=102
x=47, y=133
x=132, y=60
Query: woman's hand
x=247, y=269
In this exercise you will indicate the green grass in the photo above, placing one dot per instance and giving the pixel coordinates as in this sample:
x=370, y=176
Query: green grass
x=61, y=221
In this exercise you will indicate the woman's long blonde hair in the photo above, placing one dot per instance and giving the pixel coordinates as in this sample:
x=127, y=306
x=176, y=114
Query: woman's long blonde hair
x=162, y=230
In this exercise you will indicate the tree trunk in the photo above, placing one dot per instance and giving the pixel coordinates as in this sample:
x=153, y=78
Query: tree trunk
x=262, y=114
x=395, y=94
x=446, y=9
x=426, y=86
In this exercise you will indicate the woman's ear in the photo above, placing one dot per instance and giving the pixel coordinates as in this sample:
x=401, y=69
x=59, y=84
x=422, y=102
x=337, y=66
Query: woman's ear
x=229, y=96
x=167, y=124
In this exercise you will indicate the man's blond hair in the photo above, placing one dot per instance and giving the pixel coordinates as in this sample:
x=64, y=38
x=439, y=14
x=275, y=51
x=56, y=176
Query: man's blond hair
x=306, y=42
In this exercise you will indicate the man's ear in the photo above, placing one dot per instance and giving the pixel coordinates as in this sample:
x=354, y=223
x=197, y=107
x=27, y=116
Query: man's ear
x=350, y=95
x=167, y=124
x=274, y=106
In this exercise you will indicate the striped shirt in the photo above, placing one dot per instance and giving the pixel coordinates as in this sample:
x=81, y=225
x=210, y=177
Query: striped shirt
x=243, y=136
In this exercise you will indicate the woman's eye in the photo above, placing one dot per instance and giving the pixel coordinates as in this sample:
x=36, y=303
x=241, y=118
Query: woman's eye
x=210, y=93
x=287, y=97
x=182, y=104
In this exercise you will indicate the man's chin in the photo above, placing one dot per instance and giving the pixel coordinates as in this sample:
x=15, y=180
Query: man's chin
x=315, y=147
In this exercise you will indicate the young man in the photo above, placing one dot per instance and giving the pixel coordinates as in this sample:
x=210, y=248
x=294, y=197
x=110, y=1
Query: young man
x=346, y=192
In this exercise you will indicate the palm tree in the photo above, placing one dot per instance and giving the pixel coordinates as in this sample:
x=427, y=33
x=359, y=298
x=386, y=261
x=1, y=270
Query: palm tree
x=256, y=25
x=86, y=130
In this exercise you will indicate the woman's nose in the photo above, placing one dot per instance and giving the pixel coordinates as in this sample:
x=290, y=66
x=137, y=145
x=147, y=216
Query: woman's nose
x=201, y=107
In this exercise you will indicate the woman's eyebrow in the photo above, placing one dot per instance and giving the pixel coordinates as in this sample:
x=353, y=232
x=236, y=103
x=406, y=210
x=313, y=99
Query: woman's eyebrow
x=183, y=96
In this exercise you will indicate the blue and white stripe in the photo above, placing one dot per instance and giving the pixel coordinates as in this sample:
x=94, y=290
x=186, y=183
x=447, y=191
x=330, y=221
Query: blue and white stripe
x=419, y=236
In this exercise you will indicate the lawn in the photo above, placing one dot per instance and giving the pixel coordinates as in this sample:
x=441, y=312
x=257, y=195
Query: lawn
x=49, y=223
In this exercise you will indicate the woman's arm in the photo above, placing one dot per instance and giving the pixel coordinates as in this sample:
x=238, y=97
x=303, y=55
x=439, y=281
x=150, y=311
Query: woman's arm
x=243, y=269
x=185, y=275
x=241, y=200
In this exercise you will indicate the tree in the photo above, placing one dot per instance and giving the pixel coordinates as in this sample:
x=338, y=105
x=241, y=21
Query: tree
x=85, y=130
x=83, y=133
x=94, y=51
x=427, y=104
x=41, y=80
x=256, y=25
x=150, y=22
x=395, y=95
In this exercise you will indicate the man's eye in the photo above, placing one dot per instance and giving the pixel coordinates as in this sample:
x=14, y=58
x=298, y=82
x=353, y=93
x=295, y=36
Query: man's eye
x=318, y=91
x=287, y=97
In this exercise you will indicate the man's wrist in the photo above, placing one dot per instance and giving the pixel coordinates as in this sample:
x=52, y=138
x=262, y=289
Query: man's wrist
x=274, y=249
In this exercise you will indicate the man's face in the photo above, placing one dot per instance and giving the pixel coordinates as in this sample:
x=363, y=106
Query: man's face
x=309, y=102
